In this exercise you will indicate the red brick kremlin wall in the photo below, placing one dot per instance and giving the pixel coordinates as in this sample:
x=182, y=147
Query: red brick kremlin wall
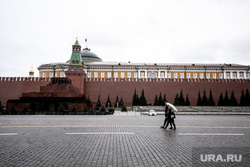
x=170, y=87
x=12, y=88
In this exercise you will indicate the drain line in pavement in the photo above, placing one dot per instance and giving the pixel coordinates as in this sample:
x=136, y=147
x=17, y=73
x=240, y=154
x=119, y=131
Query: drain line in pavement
x=101, y=133
x=211, y=134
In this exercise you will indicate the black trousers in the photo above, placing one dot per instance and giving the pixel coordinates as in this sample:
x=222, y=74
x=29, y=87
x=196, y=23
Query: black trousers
x=165, y=121
x=171, y=122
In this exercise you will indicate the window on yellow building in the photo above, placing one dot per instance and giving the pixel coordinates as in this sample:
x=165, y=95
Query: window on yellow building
x=182, y=75
x=116, y=74
x=102, y=74
x=162, y=74
x=188, y=75
x=241, y=74
x=201, y=75
x=169, y=75
x=214, y=75
x=96, y=74
x=142, y=74
x=44, y=74
x=129, y=74
x=195, y=75
x=175, y=75
x=234, y=75
x=50, y=74
x=135, y=74
x=221, y=75
x=109, y=74
x=122, y=74
x=89, y=74
x=208, y=75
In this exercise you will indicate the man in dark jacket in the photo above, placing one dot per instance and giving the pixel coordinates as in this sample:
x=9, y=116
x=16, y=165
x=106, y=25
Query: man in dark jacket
x=170, y=119
x=166, y=118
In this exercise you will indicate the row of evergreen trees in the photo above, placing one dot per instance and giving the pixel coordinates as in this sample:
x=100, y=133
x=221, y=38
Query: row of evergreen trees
x=109, y=104
x=204, y=101
x=160, y=101
x=139, y=101
x=181, y=101
x=226, y=101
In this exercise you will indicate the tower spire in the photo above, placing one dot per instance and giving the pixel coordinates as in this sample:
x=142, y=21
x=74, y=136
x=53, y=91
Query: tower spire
x=86, y=42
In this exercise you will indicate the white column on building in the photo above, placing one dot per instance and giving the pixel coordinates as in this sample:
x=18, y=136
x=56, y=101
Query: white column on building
x=225, y=74
x=146, y=74
x=231, y=74
x=238, y=75
x=139, y=74
x=166, y=74
x=159, y=73
x=245, y=75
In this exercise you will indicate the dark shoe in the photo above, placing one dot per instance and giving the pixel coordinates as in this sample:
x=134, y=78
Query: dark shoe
x=171, y=128
x=165, y=128
x=174, y=129
x=162, y=126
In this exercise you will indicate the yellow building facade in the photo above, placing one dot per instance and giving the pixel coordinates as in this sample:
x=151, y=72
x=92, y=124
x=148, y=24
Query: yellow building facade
x=94, y=67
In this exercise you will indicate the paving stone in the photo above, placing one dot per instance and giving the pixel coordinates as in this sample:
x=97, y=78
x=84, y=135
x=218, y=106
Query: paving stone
x=43, y=140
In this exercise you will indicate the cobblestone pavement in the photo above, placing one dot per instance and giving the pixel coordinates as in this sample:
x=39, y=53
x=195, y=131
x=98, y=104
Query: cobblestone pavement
x=121, y=140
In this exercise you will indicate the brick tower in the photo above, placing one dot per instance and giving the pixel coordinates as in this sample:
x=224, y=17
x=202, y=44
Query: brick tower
x=75, y=69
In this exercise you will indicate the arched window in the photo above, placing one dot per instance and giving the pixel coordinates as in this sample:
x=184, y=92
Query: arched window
x=152, y=75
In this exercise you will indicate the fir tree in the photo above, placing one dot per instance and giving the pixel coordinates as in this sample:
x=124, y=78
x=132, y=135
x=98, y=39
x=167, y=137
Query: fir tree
x=98, y=103
x=103, y=110
x=121, y=102
x=156, y=102
x=136, y=100
x=211, y=100
x=242, y=98
x=181, y=99
x=247, y=98
x=221, y=100
x=164, y=99
x=204, y=101
x=74, y=109
x=226, y=99
x=233, y=101
x=13, y=110
x=108, y=103
x=61, y=108
x=187, y=101
x=116, y=101
x=124, y=109
x=161, y=102
x=199, y=99
x=176, y=100
x=143, y=101
x=25, y=109
x=85, y=110
x=1, y=107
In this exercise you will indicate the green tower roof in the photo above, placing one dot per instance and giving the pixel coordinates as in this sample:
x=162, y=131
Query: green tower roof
x=76, y=58
x=76, y=43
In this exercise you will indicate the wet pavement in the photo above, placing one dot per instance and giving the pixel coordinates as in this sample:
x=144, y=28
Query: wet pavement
x=124, y=139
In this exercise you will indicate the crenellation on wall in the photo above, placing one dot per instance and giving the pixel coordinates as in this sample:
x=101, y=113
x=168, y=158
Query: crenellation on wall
x=24, y=79
x=166, y=80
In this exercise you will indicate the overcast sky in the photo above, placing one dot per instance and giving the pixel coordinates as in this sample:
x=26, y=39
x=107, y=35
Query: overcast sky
x=35, y=32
